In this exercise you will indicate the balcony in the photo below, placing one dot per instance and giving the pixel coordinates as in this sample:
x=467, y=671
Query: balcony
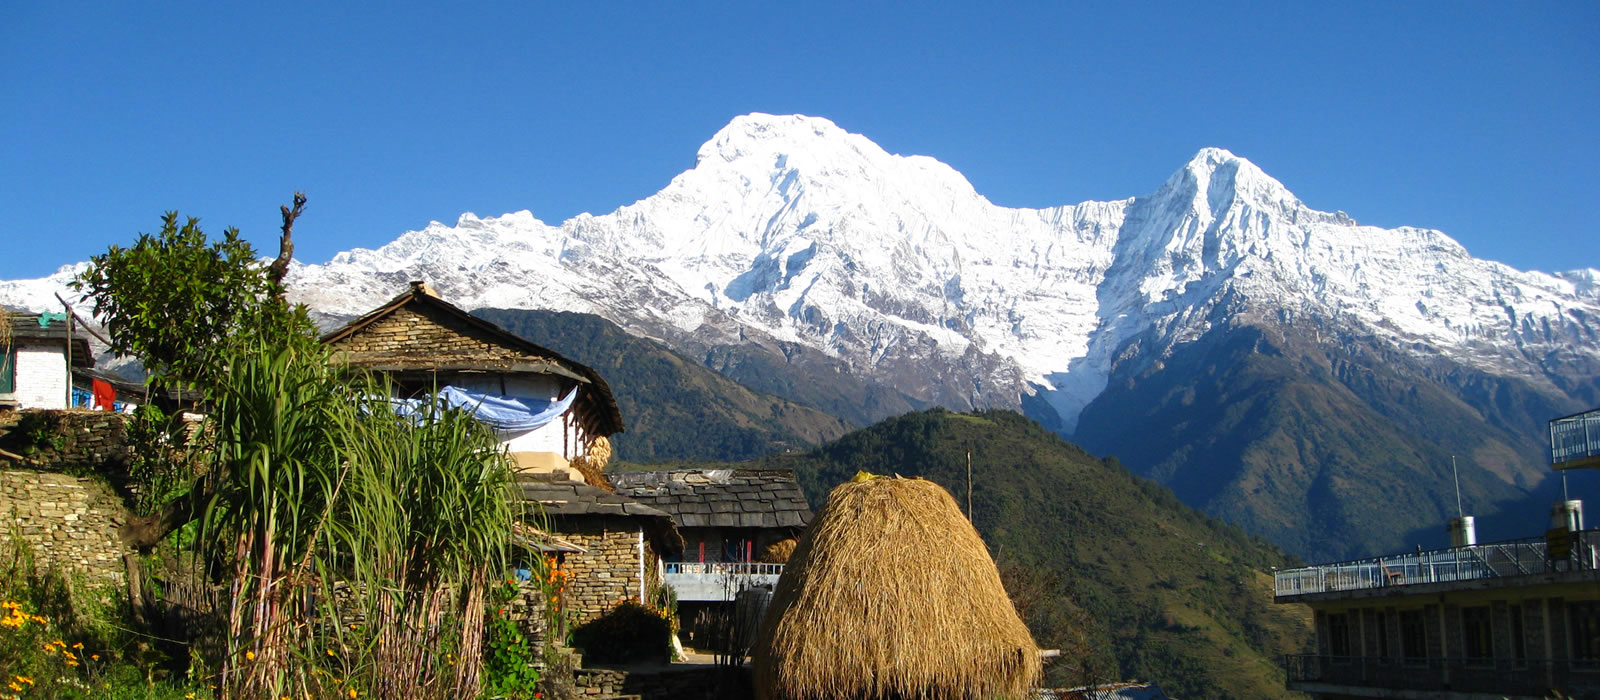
x=1498, y=560
x=1533, y=678
x=718, y=581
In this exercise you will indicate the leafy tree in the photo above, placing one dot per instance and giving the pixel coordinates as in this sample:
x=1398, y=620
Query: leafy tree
x=180, y=302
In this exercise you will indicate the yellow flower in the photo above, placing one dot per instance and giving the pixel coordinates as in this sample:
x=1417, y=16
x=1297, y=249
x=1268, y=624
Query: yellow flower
x=330, y=652
x=78, y=645
x=249, y=656
x=190, y=696
x=13, y=685
x=70, y=662
x=94, y=657
x=25, y=679
x=353, y=693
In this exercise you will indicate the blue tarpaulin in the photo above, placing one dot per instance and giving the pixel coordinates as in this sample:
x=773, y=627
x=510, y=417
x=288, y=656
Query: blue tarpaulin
x=505, y=414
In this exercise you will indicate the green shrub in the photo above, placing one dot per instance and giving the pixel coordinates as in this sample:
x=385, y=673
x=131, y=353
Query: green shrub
x=629, y=632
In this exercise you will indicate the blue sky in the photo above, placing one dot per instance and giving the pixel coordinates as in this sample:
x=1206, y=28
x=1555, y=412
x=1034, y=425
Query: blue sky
x=1476, y=119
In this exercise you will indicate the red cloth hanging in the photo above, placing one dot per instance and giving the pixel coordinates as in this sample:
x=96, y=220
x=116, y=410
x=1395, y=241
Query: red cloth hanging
x=105, y=396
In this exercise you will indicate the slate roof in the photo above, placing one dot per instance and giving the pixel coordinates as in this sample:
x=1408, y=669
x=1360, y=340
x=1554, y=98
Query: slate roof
x=561, y=497
x=720, y=497
x=27, y=328
x=567, y=497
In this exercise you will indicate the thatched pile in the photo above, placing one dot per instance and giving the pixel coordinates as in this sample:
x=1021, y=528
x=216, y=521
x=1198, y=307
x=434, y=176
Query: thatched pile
x=592, y=466
x=779, y=552
x=892, y=594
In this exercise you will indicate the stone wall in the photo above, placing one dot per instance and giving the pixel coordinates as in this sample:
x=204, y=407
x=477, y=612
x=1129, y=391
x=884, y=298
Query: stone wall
x=608, y=572
x=674, y=682
x=407, y=338
x=70, y=522
x=58, y=497
x=88, y=440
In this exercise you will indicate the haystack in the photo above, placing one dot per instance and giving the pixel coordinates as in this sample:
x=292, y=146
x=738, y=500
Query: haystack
x=892, y=594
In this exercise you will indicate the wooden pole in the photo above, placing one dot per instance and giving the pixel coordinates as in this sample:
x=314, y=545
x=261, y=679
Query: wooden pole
x=969, y=484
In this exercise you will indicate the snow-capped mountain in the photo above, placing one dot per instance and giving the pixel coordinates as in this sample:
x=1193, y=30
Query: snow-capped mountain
x=791, y=230
x=1274, y=364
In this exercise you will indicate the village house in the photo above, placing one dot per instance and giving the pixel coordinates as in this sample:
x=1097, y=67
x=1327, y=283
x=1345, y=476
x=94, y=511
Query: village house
x=553, y=416
x=610, y=545
x=738, y=527
x=36, y=364
x=549, y=411
x=1512, y=619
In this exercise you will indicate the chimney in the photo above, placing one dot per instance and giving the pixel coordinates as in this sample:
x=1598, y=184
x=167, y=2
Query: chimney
x=419, y=286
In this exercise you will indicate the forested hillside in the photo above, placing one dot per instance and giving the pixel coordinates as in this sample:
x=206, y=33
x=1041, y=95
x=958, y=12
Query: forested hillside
x=674, y=408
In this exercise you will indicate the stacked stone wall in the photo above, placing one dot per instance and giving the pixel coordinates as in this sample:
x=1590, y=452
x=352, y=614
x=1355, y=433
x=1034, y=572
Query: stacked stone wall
x=407, y=338
x=69, y=522
x=59, y=499
x=678, y=682
x=608, y=572
x=79, y=439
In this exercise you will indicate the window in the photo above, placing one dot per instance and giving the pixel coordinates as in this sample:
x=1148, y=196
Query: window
x=1339, y=634
x=1381, y=621
x=1477, y=632
x=1413, y=635
x=1584, y=619
x=1519, y=648
x=8, y=369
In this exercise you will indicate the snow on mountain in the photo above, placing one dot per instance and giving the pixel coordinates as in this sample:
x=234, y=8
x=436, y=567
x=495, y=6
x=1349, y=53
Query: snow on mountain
x=792, y=229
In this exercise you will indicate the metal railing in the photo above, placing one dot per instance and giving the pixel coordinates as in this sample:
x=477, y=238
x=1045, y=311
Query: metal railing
x=1472, y=562
x=1575, y=437
x=730, y=568
x=1517, y=677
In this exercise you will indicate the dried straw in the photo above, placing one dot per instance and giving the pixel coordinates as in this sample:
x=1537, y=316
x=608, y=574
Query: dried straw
x=892, y=594
x=779, y=552
x=592, y=464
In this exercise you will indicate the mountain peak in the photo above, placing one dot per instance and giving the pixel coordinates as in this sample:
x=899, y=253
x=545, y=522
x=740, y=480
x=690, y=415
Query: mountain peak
x=1214, y=173
x=755, y=132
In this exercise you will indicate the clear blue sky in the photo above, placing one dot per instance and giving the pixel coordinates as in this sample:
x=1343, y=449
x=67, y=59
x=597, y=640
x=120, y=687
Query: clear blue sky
x=1477, y=119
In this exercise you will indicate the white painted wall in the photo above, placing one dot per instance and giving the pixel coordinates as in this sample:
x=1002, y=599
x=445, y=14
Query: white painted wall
x=41, y=376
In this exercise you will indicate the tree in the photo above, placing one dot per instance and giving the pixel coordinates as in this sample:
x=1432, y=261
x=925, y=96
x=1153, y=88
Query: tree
x=179, y=302
x=310, y=482
x=183, y=306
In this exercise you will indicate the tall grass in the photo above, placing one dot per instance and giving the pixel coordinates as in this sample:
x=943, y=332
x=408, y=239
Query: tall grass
x=321, y=488
x=426, y=522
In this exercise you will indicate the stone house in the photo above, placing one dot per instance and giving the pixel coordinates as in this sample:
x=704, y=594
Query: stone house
x=549, y=411
x=552, y=414
x=36, y=365
x=611, y=544
x=730, y=520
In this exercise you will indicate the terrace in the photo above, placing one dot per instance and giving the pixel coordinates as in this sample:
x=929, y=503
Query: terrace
x=1576, y=555
x=718, y=581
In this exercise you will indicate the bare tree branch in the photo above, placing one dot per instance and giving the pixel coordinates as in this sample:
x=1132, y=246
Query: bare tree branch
x=280, y=267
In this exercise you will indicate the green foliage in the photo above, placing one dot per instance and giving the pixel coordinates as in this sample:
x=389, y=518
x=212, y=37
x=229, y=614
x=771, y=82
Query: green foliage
x=626, y=633
x=58, y=639
x=508, y=655
x=162, y=462
x=675, y=407
x=1106, y=566
x=39, y=430
x=179, y=302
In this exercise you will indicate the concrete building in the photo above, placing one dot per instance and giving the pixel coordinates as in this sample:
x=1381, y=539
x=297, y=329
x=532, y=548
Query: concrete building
x=1511, y=619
